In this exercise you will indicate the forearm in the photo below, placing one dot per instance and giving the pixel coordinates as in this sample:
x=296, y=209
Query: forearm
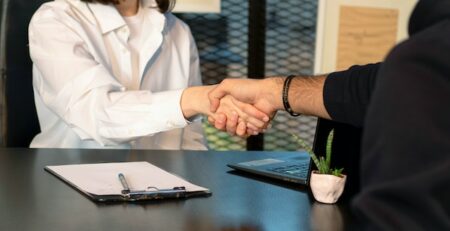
x=305, y=95
x=194, y=101
x=113, y=117
x=341, y=96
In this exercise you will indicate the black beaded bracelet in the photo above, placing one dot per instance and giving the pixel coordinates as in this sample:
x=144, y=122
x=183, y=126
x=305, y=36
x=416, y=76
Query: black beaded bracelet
x=287, y=106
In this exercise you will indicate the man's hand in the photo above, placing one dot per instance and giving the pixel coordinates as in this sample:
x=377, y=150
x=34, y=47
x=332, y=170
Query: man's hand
x=305, y=95
x=263, y=94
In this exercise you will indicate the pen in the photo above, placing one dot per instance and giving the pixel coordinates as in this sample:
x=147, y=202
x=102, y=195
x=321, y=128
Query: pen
x=124, y=183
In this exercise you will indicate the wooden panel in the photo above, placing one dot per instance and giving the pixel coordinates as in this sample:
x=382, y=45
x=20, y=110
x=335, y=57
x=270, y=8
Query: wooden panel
x=365, y=35
x=197, y=6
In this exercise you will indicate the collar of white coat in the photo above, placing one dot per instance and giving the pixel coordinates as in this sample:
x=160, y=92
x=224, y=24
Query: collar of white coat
x=109, y=18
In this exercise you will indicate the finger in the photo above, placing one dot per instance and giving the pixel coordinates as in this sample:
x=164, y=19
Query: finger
x=250, y=125
x=214, y=104
x=211, y=120
x=232, y=121
x=254, y=112
x=255, y=123
x=220, y=122
x=219, y=126
x=253, y=127
x=253, y=115
x=258, y=123
x=252, y=132
x=220, y=117
x=241, y=129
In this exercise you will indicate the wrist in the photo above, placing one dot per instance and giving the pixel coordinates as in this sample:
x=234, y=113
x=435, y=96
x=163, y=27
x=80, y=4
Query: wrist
x=186, y=107
x=285, y=95
x=274, y=91
x=194, y=101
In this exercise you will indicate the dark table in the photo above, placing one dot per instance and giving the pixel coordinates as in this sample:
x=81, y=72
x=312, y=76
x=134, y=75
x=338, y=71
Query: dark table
x=33, y=199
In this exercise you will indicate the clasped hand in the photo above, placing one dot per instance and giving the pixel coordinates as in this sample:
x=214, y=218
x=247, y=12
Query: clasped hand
x=238, y=118
x=242, y=106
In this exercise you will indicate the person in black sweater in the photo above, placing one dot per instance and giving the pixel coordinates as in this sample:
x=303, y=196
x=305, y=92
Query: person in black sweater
x=403, y=104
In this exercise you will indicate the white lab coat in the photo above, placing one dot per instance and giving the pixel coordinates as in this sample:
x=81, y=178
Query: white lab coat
x=84, y=93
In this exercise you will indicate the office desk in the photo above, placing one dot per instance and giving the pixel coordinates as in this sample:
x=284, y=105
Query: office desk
x=33, y=199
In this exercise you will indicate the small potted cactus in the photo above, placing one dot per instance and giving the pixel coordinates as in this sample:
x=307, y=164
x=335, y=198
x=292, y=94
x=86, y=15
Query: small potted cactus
x=327, y=184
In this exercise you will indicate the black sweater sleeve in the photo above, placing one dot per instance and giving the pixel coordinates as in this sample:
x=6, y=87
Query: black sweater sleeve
x=347, y=93
x=405, y=164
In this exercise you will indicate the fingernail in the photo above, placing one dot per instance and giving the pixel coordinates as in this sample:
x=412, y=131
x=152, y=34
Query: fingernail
x=266, y=119
x=255, y=133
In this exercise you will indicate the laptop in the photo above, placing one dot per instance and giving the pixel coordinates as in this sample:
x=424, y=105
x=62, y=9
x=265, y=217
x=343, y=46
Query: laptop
x=290, y=166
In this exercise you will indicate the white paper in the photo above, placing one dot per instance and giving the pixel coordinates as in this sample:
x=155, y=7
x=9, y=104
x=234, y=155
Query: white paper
x=102, y=179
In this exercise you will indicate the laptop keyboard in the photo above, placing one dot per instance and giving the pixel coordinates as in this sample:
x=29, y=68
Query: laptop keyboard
x=300, y=170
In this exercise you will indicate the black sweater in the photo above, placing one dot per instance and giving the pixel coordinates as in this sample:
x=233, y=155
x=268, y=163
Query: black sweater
x=404, y=106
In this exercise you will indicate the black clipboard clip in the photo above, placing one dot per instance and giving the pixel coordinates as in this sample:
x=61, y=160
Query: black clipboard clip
x=154, y=193
x=151, y=192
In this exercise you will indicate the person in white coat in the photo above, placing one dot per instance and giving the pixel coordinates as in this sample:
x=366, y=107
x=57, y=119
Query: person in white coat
x=121, y=74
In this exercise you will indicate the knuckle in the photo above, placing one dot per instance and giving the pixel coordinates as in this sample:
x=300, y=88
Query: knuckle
x=226, y=81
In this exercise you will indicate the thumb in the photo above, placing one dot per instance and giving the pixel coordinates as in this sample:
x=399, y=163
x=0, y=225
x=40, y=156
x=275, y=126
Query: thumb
x=215, y=95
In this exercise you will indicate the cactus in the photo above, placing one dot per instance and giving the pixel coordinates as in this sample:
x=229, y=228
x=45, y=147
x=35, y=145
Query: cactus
x=322, y=164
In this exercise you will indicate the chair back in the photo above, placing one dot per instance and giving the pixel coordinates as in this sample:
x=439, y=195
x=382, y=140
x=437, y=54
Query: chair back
x=21, y=118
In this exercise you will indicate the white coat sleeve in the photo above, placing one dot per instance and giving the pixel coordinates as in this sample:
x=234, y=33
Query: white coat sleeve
x=194, y=135
x=86, y=95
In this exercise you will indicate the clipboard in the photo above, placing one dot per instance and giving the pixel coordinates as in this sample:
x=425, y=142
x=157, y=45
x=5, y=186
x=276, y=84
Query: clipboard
x=144, y=181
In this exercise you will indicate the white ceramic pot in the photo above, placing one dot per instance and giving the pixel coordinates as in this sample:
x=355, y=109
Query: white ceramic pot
x=327, y=188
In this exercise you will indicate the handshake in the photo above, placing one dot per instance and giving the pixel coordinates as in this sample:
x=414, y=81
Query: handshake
x=246, y=107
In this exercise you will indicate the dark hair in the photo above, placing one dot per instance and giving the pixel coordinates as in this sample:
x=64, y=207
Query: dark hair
x=163, y=5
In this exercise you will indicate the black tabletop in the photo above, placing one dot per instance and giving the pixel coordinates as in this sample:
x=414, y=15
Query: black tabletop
x=33, y=199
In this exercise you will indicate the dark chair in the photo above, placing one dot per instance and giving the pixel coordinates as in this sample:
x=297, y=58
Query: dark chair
x=345, y=151
x=21, y=122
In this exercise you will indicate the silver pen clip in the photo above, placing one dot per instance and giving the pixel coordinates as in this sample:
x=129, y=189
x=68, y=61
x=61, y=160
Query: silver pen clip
x=123, y=181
